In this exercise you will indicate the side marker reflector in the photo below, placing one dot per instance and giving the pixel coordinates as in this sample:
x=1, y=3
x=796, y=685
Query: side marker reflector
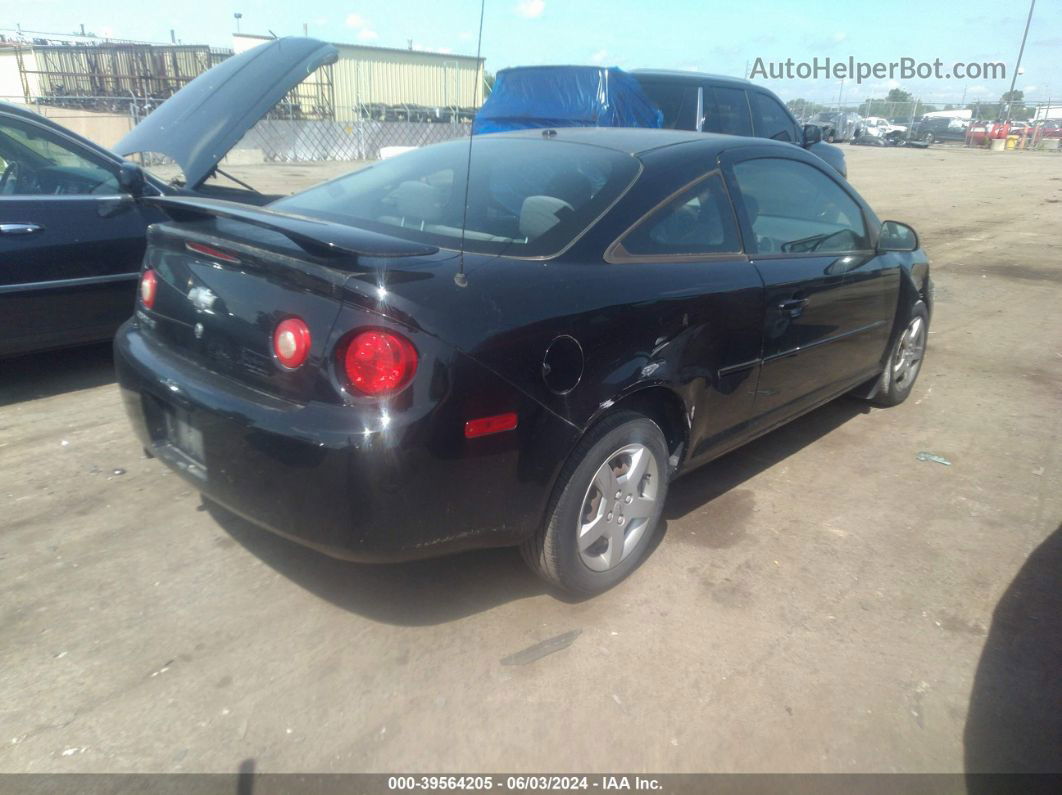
x=485, y=426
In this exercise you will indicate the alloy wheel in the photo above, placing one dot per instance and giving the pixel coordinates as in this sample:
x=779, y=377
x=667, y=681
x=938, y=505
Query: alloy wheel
x=618, y=506
x=910, y=349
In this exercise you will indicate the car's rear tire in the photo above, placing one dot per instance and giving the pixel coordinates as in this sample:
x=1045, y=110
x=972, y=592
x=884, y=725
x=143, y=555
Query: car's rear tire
x=905, y=359
x=606, y=509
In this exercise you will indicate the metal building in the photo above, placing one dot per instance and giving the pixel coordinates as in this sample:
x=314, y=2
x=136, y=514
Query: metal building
x=386, y=84
x=86, y=75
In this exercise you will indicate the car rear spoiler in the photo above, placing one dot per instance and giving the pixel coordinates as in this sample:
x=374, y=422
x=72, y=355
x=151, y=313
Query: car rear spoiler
x=324, y=239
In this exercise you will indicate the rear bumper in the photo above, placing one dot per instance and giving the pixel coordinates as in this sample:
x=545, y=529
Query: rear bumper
x=354, y=482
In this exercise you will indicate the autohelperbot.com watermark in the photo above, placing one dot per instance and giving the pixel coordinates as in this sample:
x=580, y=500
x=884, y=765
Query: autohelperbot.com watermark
x=850, y=69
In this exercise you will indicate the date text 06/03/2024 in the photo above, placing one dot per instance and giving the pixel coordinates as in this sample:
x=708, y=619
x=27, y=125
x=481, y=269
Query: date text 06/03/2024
x=523, y=783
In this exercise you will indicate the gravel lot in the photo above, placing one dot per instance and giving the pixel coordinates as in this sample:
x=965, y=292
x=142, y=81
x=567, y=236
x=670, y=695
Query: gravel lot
x=822, y=600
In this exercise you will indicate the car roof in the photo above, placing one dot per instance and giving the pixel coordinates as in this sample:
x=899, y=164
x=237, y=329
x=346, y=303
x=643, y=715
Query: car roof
x=680, y=76
x=22, y=110
x=639, y=140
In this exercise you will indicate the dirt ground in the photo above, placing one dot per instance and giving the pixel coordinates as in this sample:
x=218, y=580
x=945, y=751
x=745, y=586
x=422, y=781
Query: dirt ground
x=822, y=600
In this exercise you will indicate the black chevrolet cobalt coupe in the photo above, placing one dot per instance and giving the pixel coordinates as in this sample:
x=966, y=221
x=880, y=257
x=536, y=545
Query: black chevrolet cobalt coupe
x=422, y=357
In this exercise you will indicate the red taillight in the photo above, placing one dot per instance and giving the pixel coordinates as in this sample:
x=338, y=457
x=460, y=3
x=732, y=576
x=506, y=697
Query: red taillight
x=379, y=362
x=291, y=342
x=213, y=253
x=149, y=285
x=484, y=426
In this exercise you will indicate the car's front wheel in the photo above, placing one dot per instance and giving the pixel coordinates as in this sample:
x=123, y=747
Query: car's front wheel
x=905, y=359
x=607, y=509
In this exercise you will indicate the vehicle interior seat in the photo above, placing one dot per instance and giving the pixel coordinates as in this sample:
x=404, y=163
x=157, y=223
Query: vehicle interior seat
x=764, y=244
x=539, y=214
x=416, y=204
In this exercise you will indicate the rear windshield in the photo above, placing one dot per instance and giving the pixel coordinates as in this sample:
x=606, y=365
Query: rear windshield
x=527, y=197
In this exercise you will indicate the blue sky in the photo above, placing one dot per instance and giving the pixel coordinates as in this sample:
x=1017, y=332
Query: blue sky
x=674, y=34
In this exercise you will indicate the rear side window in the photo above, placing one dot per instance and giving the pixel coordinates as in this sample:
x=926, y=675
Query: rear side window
x=698, y=221
x=726, y=111
x=676, y=101
x=796, y=209
x=771, y=119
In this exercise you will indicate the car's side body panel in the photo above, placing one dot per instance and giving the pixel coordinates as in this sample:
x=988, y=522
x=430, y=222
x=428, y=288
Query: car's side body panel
x=68, y=271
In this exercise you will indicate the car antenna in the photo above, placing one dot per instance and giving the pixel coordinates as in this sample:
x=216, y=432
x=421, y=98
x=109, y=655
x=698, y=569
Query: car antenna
x=459, y=278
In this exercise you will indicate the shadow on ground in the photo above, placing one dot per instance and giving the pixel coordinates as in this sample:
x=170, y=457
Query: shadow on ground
x=418, y=593
x=1014, y=723
x=41, y=375
x=435, y=591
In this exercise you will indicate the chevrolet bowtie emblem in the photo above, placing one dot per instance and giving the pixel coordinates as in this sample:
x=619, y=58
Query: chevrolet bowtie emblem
x=202, y=298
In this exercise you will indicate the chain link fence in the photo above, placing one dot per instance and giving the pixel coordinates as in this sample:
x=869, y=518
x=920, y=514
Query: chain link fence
x=274, y=139
x=294, y=140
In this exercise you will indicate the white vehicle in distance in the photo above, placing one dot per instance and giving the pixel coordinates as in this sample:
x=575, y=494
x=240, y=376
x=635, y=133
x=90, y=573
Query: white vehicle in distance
x=878, y=127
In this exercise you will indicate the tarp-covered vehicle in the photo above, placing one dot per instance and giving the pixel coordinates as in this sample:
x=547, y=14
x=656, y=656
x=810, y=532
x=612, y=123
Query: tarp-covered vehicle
x=565, y=96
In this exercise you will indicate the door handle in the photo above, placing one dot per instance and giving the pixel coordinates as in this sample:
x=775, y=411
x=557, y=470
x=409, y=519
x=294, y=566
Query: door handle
x=793, y=307
x=20, y=229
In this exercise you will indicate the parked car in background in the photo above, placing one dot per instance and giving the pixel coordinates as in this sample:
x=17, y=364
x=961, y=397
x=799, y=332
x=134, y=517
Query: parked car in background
x=978, y=133
x=382, y=371
x=72, y=236
x=1051, y=128
x=594, y=96
x=882, y=131
x=526, y=97
x=931, y=129
x=1022, y=128
x=837, y=127
x=981, y=133
x=730, y=105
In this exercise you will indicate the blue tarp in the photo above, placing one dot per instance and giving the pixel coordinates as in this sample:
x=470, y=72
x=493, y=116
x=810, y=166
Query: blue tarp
x=565, y=96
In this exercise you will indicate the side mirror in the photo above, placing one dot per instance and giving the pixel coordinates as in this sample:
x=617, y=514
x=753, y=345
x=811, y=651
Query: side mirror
x=812, y=134
x=131, y=179
x=895, y=236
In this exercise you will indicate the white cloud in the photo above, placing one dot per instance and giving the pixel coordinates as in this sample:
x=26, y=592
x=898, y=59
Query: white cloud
x=839, y=36
x=355, y=21
x=599, y=56
x=529, y=9
x=368, y=34
x=465, y=35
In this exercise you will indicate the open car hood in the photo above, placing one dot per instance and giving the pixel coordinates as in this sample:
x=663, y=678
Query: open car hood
x=199, y=124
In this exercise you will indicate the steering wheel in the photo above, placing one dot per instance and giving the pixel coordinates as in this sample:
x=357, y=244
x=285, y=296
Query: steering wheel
x=10, y=172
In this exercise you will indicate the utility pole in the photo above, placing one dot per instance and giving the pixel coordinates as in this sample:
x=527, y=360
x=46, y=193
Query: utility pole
x=1017, y=66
